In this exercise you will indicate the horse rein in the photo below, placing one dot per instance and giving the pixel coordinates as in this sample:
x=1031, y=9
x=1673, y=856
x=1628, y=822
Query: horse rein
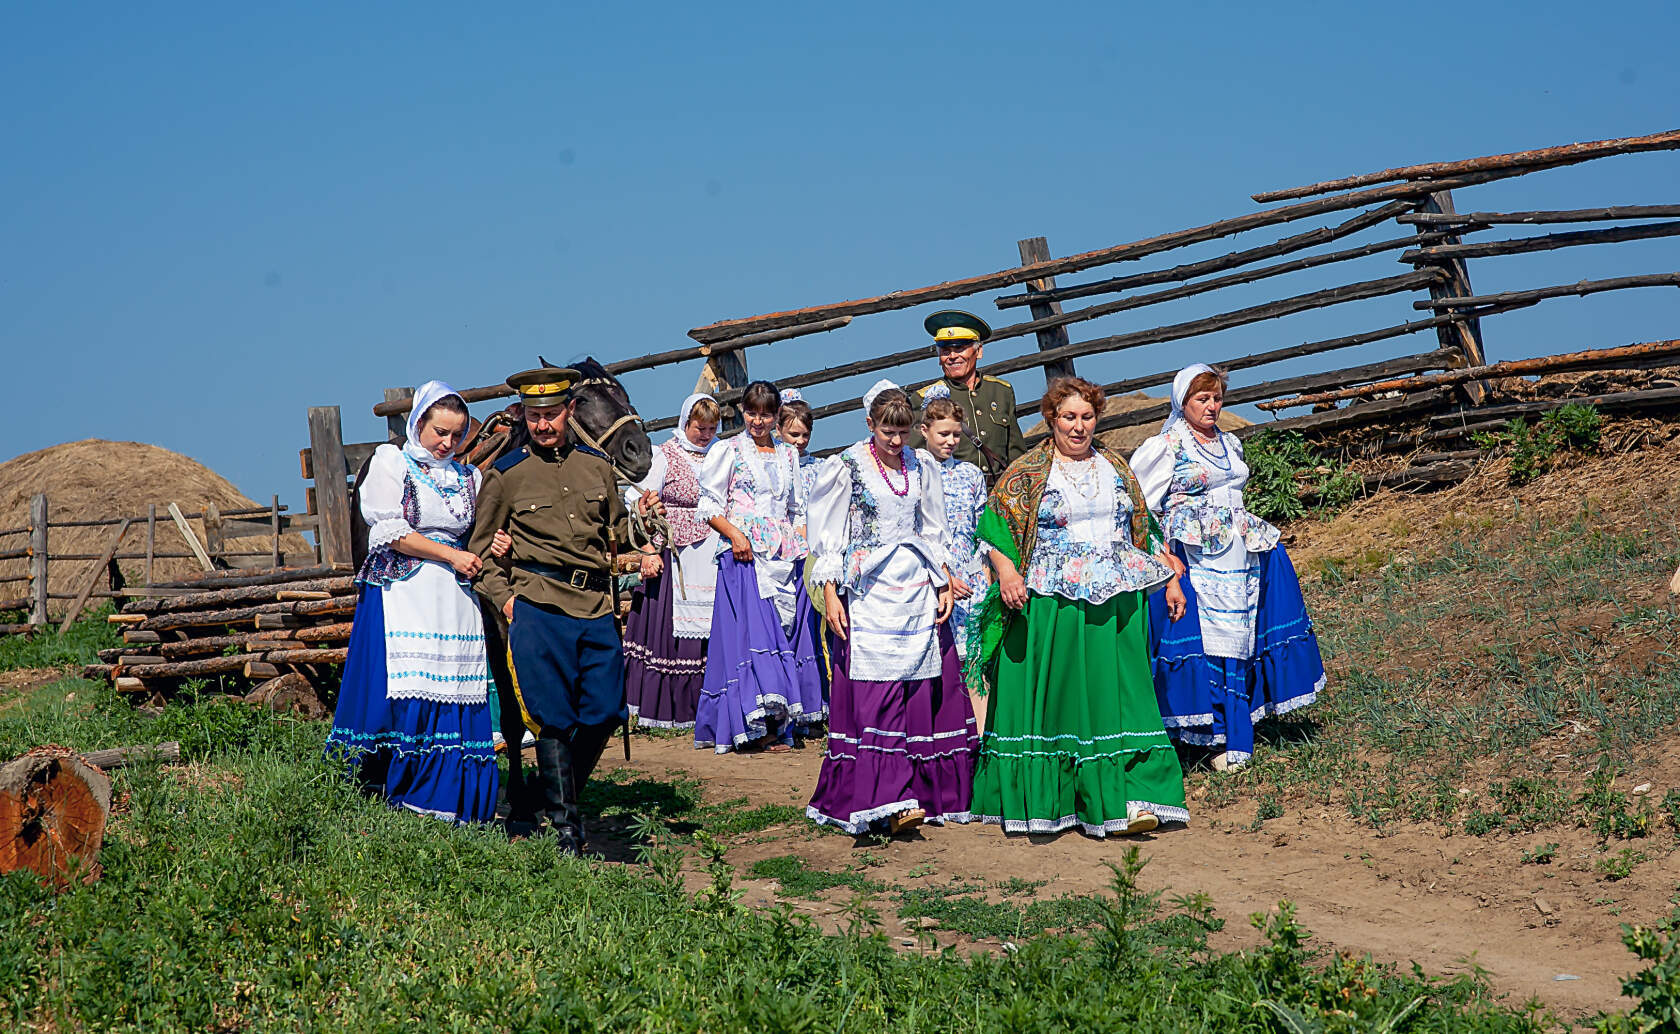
x=650, y=528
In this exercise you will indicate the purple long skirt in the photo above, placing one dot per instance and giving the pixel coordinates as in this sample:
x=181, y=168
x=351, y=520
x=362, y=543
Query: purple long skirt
x=662, y=673
x=759, y=679
x=896, y=745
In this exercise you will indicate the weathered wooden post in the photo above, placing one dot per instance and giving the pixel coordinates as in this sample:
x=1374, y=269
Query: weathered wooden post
x=151, y=539
x=396, y=425
x=274, y=526
x=1037, y=249
x=332, y=489
x=1464, y=335
x=38, y=560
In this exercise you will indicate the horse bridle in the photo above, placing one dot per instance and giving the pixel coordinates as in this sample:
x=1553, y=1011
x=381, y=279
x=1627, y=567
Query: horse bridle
x=600, y=444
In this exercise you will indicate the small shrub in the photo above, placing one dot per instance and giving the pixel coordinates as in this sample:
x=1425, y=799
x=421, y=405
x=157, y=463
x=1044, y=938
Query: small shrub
x=1284, y=472
x=1656, y=988
x=1534, y=447
x=1541, y=854
x=1618, y=866
x=1481, y=823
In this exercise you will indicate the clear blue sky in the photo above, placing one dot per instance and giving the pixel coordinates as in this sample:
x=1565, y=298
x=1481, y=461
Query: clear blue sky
x=216, y=215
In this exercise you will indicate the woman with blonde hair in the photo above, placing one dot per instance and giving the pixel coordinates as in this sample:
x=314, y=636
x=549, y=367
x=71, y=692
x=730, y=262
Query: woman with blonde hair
x=1073, y=737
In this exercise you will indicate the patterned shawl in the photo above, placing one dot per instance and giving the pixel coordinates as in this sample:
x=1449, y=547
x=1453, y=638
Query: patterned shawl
x=1010, y=526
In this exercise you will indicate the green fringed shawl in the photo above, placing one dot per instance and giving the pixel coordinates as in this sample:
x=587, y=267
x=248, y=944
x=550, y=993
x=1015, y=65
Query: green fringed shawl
x=1010, y=526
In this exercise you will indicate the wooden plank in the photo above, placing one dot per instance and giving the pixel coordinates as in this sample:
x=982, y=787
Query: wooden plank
x=1191, y=270
x=1354, y=416
x=261, y=670
x=38, y=527
x=905, y=299
x=259, y=593
x=1581, y=288
x=92, y=579
x=1437, y=360
x=213, y=530
x=1156, y=335
x=229, y=580
x=355, y=454
x=1464, y=334
x=1545, y=157
x=274, y=529
x=1547, y=242
x=647, y=362
x=1572, y=215
x=192, y=540
x=151, y=539
x=1139, y=301
x=117, y=757
x=141, y=637
x=396, y=424
x=1644, y=398
x=1600, y=357
x=326, y=439
x=1054, y=335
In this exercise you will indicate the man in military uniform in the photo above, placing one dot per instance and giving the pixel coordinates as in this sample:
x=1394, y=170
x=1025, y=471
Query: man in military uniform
x=562, y=508
x=992, y=437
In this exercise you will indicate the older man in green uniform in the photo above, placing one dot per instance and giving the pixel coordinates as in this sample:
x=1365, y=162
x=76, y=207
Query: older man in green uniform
x=561, y=506
x=992, y=437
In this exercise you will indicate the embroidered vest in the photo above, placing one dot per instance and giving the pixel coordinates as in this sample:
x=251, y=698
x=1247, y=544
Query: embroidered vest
x=681, y=495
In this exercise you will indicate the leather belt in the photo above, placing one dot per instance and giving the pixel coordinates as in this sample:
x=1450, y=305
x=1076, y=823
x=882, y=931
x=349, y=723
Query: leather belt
x=587, y=579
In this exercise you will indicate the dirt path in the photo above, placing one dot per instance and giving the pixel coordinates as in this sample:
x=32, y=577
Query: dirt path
x=1444, y=902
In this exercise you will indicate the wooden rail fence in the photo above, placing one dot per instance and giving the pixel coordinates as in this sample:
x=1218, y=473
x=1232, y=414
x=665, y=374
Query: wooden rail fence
x=40, y=587
x=1437, y=388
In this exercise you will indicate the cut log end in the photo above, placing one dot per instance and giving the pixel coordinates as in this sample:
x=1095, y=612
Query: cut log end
x=53, y=808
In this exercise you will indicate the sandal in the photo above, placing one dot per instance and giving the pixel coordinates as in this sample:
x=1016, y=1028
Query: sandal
x=909, y=818
x=1142, y=822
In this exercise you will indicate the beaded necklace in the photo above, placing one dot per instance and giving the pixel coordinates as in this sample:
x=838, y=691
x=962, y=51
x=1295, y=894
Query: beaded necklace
x=1088, y=483
x=448, y=492
x=1223, y=460
x=882, y=467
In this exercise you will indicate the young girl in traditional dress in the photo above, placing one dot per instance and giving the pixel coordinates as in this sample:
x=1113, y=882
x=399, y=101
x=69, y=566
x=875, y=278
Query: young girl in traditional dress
x=965, y=500
x=413, y=711
x=761, y=667
x=671, y=612
x=1246, y=648
x=793, y=425
x=901, y=735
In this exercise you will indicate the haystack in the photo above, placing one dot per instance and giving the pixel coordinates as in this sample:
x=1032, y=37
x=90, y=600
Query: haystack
x=94, y=480
x=1125, y=439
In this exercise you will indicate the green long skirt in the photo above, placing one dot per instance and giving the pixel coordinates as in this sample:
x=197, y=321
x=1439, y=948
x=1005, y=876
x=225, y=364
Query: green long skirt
x=1073, y=733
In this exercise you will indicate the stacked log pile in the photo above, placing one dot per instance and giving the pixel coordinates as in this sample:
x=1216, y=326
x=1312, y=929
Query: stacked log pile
x=251, y=627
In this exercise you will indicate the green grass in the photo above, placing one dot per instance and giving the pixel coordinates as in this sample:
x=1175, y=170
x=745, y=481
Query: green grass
x=254, y=889
x=1484, y=652
x=80, y=644
x=801, y=881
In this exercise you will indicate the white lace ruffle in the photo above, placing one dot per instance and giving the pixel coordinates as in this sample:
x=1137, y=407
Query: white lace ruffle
x=386, y=531
x=828, y=568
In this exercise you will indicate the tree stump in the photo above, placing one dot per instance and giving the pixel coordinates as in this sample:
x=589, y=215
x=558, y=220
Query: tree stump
x=290, y=692
x=53, y=807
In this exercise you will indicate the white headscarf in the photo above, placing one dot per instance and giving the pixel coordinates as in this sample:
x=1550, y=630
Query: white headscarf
x=681, y=435
x=425, y=397
x=1180, y=389
x=875, y=389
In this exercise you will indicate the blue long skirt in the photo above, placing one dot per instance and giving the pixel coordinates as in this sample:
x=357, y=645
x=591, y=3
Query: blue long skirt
x=1215, y=701
x=759, y=679
x=437, y=758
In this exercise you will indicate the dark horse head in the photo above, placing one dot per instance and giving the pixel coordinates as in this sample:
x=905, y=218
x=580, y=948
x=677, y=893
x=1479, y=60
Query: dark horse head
x=602, y=412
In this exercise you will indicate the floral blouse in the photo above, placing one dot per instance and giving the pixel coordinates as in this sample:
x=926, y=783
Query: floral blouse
x=857, y=521
x=1084, y=548
x=1197, y=490
x=965, y=501
x=762, y=494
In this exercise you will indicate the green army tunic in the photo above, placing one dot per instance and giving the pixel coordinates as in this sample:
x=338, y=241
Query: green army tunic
x=563, y=511
x=990, y=408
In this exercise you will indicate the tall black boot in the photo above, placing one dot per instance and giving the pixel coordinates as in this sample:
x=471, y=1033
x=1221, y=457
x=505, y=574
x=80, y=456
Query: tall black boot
x=589, y=742
x=557, y=792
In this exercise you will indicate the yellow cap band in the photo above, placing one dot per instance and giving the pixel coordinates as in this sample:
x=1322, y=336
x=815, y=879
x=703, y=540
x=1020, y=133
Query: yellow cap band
x=956, y=334
x=541, y=390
